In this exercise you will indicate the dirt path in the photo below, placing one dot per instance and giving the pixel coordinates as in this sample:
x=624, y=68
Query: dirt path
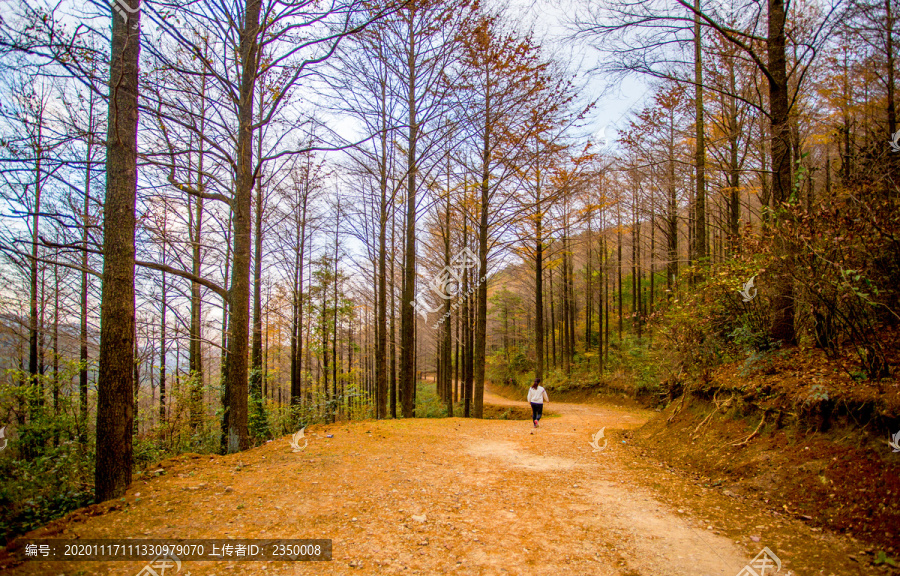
x=498, y=497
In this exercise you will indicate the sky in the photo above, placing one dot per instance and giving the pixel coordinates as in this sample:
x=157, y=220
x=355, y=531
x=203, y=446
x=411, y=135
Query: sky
x=551, y=23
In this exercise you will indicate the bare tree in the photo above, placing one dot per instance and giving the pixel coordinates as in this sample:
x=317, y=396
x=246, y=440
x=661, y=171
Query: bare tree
x=115, y=382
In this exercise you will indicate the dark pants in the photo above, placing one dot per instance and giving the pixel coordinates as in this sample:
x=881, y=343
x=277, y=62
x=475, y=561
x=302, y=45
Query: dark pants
x=537, y=410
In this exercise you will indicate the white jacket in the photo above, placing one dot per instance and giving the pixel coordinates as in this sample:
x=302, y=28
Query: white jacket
x=537, y=395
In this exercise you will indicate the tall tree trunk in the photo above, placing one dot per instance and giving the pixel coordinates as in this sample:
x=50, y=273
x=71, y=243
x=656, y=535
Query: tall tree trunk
x=257, y=374
x=115, y=409
x=162, y=348
x=606, y=296
x=223, y=363
x=56, y=382
x=504, y=313
x=603, y=305
x=652, y=256
x=137, y=384
x=573, y=304
x=256, y=353
x=783, y=298
x=85, y=286
x=552, y=317
x=35, y=326
x=588, y=288
x=235, y=430
x=467, y=329
x=567, y=343
x=447, y=334
x=334, y=339
x=393, y=323
x=889, y=50
x=456, y=362
x=352, y=379
x=734, y=197
x=734, y=201
x=323, y=330
x=265, y=352
x=295, y=358
x=671, y=217
x=297, y=352
x=481, y=302
x=765, y=191
x=700, y=247
x=619, y=263
x=636, y=266
x=407, y=317
x=539, y=290
x=196, y=337
x=470, y=350
x=195, y=360
x=381, y=376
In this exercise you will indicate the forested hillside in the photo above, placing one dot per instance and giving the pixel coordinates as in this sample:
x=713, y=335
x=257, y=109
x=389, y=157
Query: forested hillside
x=223, y=221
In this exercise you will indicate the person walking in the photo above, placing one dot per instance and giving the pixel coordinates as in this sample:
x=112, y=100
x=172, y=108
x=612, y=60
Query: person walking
x=537, y=396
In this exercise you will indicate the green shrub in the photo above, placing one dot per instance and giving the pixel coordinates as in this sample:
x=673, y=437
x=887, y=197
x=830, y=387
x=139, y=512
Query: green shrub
x=38, y=490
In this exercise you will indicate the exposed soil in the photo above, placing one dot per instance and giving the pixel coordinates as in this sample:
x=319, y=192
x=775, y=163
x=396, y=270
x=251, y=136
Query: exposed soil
x=838, y=480
x=498, y=498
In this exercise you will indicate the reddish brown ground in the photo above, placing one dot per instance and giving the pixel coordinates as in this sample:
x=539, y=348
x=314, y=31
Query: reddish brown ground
x=839, y=480
x=498, y=497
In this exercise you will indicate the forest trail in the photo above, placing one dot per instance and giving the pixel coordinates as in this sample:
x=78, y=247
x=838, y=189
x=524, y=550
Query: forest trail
x=499, y=498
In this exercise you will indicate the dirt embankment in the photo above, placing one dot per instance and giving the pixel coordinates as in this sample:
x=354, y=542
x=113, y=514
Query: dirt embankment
x=794, y=432
x=841, y=479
